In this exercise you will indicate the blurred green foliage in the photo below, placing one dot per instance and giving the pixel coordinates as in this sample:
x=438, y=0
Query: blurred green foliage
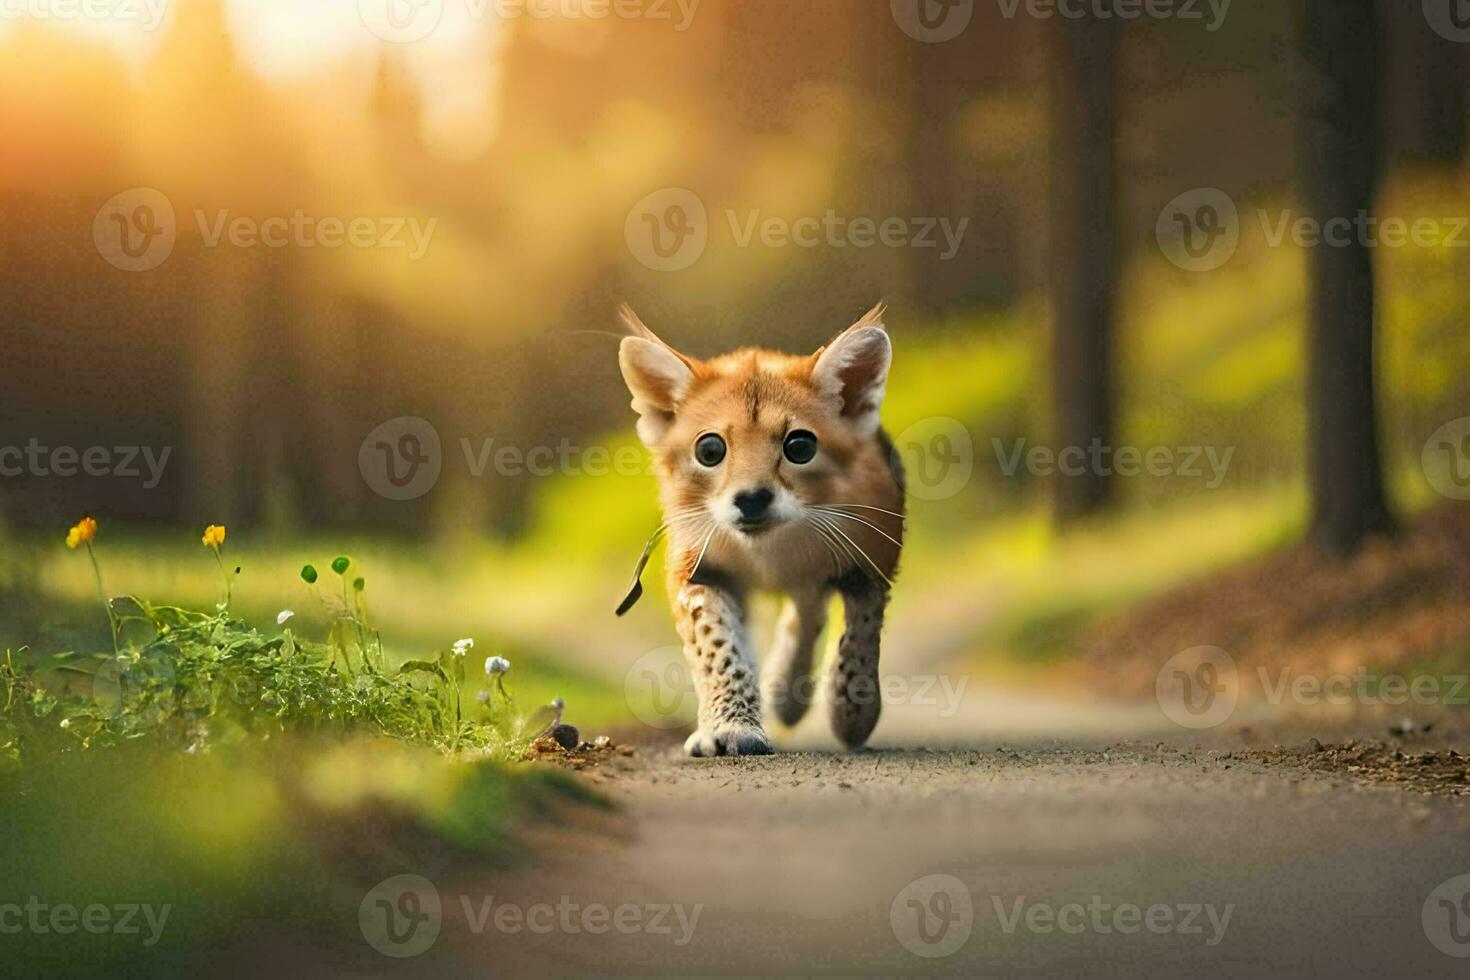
x=223, y=842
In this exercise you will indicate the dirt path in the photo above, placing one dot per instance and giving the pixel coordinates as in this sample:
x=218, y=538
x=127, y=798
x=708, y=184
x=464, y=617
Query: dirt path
x=987, y=833
x=1147, y=857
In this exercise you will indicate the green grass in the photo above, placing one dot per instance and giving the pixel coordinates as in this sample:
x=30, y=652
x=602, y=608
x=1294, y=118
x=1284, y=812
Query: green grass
x=418, y=603
x=220, y=773
x=1047, y=588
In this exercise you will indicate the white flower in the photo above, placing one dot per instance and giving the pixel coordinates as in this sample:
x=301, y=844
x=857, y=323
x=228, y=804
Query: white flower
x=461, y=647
x=496, y=665
x=483, y=697
x=282, y=616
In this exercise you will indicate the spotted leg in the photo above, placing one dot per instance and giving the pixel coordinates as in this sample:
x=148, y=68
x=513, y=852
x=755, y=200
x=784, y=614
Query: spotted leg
x=854, y=700
x=712, y=625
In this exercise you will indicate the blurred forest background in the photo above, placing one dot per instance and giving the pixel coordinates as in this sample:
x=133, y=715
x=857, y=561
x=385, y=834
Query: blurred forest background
x=1329, y=384
x=529, y=139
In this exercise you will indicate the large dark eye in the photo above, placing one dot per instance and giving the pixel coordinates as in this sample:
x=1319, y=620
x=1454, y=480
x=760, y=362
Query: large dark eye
x=709, y=449
x=801, y=446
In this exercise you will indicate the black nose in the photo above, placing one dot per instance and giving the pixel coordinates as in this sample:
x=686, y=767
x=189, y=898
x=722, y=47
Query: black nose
x=753, y=504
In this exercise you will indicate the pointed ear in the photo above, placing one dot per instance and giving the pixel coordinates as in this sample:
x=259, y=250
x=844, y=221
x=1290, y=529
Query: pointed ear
x=657, y=375
x=853, y=368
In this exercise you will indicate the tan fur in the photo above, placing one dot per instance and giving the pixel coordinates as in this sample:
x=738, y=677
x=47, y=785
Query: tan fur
x=753, y=399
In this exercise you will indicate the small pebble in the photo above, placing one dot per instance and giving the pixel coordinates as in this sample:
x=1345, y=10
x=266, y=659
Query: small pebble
x=566, y=736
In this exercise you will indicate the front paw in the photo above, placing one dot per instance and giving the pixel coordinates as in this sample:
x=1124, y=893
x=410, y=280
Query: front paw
x=728, y=740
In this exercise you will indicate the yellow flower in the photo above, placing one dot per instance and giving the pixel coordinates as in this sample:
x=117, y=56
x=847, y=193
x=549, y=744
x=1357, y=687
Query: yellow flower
x=83, y=533
x=214, y=536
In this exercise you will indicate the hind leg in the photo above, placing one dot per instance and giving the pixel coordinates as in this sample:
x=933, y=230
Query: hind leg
x=786, y=678
x=854, y=700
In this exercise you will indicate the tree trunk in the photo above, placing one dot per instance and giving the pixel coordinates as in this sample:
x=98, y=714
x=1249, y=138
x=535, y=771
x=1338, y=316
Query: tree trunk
x=1339, y=169
x=1084, y=242
x=1423, y=88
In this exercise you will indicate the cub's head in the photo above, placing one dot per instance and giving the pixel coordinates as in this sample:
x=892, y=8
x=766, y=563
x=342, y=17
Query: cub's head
x=754, y=439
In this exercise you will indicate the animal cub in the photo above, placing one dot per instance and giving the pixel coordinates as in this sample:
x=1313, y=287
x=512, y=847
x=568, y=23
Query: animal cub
x=773, y=475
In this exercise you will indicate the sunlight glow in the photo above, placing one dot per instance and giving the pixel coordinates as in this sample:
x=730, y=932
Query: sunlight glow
x=455, y=68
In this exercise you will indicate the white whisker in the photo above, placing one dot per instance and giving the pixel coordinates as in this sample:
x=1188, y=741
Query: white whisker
x=853, y=517
x=860, y=551
x=891, y=513
x=847, y=555
x=703, y=548
x=823, y=538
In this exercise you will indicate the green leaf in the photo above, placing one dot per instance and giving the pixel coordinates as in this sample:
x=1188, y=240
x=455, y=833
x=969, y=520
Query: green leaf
x=425, y=667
